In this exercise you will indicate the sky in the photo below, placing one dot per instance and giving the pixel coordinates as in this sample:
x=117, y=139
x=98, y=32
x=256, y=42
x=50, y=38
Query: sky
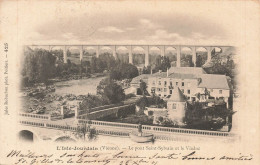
x=126, y=23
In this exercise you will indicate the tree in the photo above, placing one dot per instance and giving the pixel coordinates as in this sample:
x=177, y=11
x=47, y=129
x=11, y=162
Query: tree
x=142, y=103
x=82, y=131
x=164, y=65
x=143, y=87
x=123, y=71
x=39, y=66
x=114, y=93
x=109, y=89
x=92, y=101
x=147, y=70
x=156, y=100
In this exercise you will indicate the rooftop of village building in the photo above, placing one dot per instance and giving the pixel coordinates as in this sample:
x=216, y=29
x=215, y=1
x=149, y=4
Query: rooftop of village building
x=187, y=70
x=212, y=81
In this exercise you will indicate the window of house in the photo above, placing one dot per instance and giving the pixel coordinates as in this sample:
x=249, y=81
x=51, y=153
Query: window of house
x=182, y=84
x=170, y=83
x=165, y=89
x=188, y=91
x=173, y=106
x=170, y=91
x=220, y=91
x=159, y=82
x=176, y=83
x=165, y=83
x=182, y=90
x=158, y=89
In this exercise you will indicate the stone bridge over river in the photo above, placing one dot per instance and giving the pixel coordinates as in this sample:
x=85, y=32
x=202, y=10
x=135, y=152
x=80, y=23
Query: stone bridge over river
x=38, y=128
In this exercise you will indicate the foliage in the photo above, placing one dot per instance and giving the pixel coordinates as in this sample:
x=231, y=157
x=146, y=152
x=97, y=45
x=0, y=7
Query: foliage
x=109, y=89
x=130, y=95
x=148, y=101
x=186, y=60
x=143, y=88
x=41, y=65
x=199, y=61
x=103, y=62
x=85, y=129
x=219, y=67
x=92, y=134
x=166, y=122
x=124, y=71
x=92, y=101
x=38, y=66
x=196, y=113
x=163, y=65
x=147, y=70
x=156, y=100
x=142, y=102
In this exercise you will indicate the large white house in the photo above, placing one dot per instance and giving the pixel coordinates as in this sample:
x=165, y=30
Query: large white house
x=194, y=83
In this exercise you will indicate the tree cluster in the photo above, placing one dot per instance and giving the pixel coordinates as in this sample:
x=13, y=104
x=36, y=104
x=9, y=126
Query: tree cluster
x=92, y=101
x=124, y=71
x=162, y=64
x=149, y=101
x=103, y=62
x=111, y=91
x=218, y=67
x=38, y=67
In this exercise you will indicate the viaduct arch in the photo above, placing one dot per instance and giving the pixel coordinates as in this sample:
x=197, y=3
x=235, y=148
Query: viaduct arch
x=27, y=135
x=210, y=50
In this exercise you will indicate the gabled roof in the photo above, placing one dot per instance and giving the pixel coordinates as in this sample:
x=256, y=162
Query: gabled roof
x=213, y=81
x=177, y=96
x=174, y=75
x=187, y=70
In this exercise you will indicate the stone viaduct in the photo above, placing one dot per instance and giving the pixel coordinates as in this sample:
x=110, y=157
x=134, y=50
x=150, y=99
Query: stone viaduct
x=130, y=48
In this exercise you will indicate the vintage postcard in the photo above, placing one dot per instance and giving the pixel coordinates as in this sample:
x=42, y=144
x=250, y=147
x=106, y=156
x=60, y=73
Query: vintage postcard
x=129, y=82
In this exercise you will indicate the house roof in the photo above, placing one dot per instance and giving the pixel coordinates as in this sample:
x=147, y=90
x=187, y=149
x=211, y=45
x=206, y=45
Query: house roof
x=213, y=81
x=174, y=75
x=177, y=96
x=187, y=70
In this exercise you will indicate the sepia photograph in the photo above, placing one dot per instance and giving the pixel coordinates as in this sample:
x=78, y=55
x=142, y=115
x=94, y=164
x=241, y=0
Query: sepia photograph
x=129, y=82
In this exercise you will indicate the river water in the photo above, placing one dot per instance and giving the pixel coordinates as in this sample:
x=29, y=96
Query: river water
x=78, y=87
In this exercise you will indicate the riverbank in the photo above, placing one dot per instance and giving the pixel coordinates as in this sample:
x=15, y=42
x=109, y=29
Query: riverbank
x=41, y=99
